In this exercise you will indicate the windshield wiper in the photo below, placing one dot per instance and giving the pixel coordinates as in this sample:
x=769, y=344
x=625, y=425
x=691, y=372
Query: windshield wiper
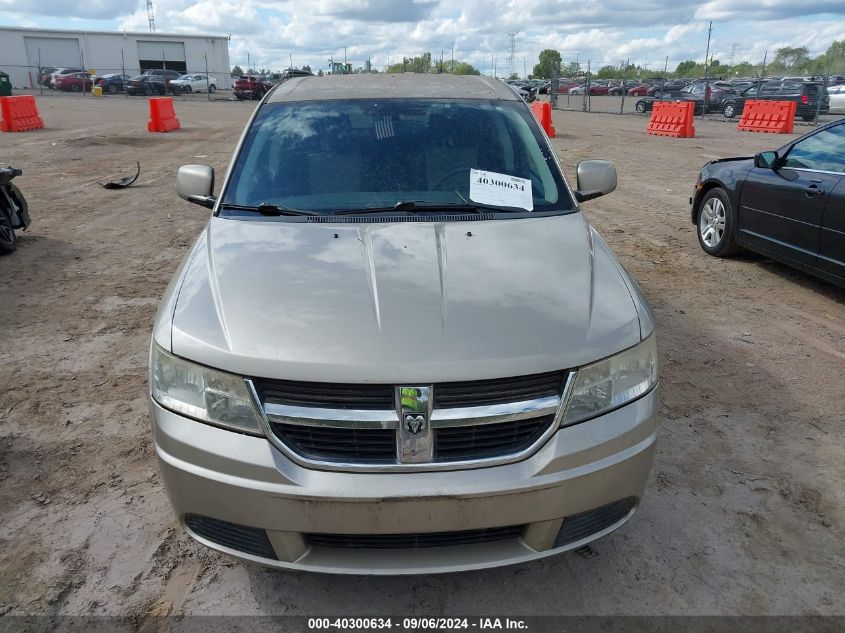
x=267, y=209
x=422, y=206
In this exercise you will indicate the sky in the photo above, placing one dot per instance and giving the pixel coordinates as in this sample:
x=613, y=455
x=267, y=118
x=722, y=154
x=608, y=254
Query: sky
x=272, y=34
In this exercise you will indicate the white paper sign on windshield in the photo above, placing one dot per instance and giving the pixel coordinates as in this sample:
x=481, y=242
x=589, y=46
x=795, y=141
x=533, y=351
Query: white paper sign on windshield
x=488, y=187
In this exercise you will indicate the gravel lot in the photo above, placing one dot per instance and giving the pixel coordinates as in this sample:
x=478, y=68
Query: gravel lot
x=745, y=510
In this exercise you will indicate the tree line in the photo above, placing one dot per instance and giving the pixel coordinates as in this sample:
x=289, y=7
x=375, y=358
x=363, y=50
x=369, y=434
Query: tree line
x=785, y=61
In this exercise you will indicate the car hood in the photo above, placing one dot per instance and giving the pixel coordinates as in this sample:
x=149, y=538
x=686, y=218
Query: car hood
x=403, y=301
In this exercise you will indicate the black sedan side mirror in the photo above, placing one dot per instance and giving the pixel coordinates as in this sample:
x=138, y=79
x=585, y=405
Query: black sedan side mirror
x=766, y=160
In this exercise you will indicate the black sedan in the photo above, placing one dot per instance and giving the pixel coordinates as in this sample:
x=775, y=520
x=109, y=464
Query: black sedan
x=149, y=85
x=112, y=84
x=788, y=204
x=696, y=92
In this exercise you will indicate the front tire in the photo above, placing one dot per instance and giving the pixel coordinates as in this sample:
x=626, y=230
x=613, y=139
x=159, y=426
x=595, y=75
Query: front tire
x=112, y=89
x=148, y=90
x=8, y=239
x=717, y=224
x=212, y=88
x=729, y=110
x=640, y=107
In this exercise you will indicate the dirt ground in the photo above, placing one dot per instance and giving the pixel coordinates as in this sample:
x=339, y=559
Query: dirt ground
x=745, y=510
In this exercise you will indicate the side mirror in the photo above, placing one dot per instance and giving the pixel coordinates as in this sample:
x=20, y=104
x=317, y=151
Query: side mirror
x=195, y=183
x=594, y=178
x=766, y=160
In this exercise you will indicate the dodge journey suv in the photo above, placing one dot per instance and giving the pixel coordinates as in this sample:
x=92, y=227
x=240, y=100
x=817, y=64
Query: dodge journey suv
x=398, y=346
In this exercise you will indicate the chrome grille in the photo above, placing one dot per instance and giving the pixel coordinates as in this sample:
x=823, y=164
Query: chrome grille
x=412, y=427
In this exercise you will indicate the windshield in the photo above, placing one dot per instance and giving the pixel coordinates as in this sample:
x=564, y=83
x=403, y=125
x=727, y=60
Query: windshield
x=184, y=77
x=359, y=154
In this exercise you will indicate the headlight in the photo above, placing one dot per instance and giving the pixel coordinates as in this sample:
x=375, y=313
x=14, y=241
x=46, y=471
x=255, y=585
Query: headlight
x=201, y=393
x=612, y=382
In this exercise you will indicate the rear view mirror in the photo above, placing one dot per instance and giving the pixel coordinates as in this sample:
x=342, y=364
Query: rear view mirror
x=195, y=183
x=766, y=160
x=594, y=178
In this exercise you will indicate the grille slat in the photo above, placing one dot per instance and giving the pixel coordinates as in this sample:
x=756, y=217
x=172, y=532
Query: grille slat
x=414, y=541
x=326, y=395
x=321, y=443
x=461, y=443
x=498, y=390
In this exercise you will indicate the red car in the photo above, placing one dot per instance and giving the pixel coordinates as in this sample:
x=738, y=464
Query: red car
x=74, y=82
x=249, y=87
x=640, y=90
x=565, y=86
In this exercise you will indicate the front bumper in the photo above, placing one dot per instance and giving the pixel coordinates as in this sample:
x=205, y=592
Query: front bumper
x=243, y=480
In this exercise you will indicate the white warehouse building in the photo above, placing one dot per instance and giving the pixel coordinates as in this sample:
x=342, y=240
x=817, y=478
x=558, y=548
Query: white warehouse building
x=23, y=50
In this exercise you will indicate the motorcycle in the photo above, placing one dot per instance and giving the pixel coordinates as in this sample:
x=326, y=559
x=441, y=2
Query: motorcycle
x=14, y=213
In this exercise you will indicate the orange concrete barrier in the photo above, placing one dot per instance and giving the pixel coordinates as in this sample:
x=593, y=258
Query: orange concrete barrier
x=672, y=118
x=19, y=114
x=162, y=115
x=543, y=112
x=775, y=117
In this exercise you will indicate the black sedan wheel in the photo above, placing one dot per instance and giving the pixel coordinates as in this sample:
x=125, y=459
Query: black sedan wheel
x=112, y=89
x=148, y=90
x=716, y=222
x=640, y=107
x=729, y=110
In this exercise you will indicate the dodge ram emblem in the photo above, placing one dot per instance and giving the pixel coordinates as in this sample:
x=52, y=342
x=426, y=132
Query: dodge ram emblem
x=415, y=423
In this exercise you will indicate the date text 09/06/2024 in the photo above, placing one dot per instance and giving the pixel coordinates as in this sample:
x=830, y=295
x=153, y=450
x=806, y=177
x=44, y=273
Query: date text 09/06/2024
x=417, y=623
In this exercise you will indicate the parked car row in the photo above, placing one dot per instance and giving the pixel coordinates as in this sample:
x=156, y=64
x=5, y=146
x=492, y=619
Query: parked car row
x=806, y=94
x=729, y=98
x=152, y=81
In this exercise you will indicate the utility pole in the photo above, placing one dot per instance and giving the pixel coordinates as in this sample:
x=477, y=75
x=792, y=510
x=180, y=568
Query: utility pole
x=452, y=69
x=706, y=71
x=734, y=46
x=762, y=72
x=151, y=18
x=512, y=54
x=290, y=55
x=624, y=77
x=248, y=63
x=823, y=91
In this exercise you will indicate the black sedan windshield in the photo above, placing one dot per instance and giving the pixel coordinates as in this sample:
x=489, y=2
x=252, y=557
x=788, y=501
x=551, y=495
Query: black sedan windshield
x=360, y=154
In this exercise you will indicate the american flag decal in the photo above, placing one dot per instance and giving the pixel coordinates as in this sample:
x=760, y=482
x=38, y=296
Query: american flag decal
x=384, y=127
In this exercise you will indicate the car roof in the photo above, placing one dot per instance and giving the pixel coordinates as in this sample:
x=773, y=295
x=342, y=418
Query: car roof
x=392, y=86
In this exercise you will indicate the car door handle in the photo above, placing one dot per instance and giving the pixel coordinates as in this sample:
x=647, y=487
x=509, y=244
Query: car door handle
x=812, y=190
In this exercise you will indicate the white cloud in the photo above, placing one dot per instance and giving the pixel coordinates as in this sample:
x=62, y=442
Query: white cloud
x=602, y=31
